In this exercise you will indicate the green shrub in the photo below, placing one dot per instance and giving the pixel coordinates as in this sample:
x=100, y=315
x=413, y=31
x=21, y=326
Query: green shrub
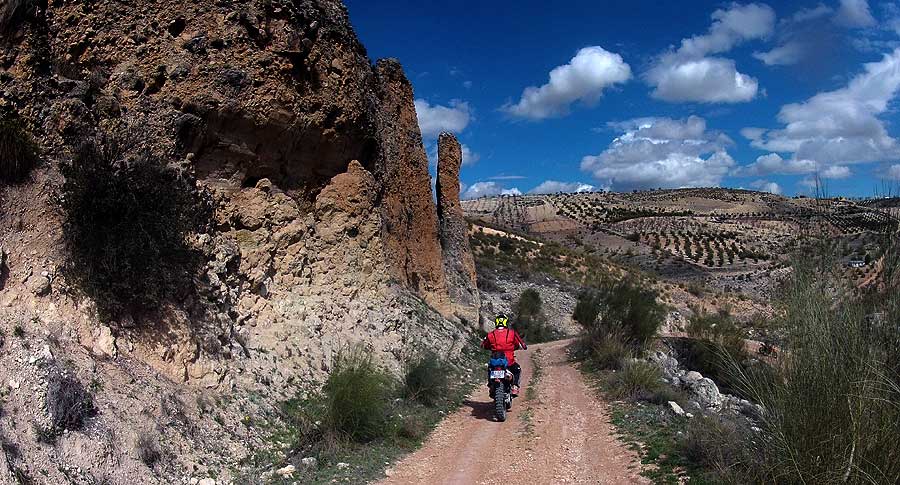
x=357, y=397
x=426, y=380
x=18, y=151
x=637, y=380
x=716, y=342
x=719, y=445
x=126, y=223
x=620, y=319
x=635, y=310
x=530, y=321
x=589, y=304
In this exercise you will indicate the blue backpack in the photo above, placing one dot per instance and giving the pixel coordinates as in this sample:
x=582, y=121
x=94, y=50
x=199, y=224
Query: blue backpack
x=498, y=362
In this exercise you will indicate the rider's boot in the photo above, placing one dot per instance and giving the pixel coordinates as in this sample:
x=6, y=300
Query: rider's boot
x=515, y=391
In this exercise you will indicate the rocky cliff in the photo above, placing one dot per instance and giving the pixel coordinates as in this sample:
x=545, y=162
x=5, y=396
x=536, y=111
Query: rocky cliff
x=323, y=232
x=459, y=262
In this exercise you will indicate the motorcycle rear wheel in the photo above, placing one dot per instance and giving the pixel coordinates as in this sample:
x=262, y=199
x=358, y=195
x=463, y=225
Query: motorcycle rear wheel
x=500, y=404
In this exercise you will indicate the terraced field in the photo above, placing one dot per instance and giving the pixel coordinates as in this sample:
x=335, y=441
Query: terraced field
x=732, y=240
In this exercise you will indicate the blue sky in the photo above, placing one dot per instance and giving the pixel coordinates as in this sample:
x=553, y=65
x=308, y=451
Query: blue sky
x=639, y=94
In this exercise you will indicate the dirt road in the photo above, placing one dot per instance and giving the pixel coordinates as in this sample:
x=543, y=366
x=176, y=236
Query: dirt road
x=561, y=435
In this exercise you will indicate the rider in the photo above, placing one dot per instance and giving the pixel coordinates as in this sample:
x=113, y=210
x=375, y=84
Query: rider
x=506, y=340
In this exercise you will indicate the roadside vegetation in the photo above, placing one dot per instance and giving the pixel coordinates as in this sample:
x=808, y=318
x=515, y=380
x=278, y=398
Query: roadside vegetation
x=531, y=393
x=830, y=402
x=833, y=406
x=715, y=345
x=530, y=321
x=621, y=319
x=364, y=417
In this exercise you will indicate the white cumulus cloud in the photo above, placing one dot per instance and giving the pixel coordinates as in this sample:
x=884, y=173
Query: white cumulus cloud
x=789, y=53
x=482, y=189
x=468, y=156
x=584, y=78
x=766, y=186
x=488, y=189
x=553, y=186
x=854, y=14
x=433, y=119
x=836, y=172
x=662, y=152
x=772, y=163
x=841, y=127
x=893, y=172
x=690, y=74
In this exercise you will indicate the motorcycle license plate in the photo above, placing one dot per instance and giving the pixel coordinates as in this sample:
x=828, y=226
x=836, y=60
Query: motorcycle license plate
x=498, y=374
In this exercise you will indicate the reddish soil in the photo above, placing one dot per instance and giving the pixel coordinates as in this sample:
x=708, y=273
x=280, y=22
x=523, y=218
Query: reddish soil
x=562, y=434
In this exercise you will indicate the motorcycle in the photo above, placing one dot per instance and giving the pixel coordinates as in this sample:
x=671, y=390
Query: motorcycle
x=500, y=381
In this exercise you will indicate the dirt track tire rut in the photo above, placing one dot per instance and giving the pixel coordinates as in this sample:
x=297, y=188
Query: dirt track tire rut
x=571, y=439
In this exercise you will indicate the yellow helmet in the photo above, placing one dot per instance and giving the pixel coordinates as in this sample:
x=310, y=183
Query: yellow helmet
x=501, y=321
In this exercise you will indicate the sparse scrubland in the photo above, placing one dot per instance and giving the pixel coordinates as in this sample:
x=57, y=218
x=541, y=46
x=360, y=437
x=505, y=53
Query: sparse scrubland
x=829, y=406
x=827, y=392
x=363, y=415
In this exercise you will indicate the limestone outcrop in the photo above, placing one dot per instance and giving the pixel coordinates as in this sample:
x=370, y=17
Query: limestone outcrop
x=323, y=230
x=459, y=263
x=411, y=228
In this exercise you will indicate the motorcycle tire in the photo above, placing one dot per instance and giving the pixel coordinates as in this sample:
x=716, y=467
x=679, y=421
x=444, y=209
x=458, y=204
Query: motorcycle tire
x=500, y=404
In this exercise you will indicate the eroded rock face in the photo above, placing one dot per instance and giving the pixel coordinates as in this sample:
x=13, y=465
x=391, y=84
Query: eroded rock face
x=321, y=205
x=459, y=263
x=411, y=229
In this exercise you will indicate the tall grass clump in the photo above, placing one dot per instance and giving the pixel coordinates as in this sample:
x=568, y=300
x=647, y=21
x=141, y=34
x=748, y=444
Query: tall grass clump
x=357, y=398
x=426, y=380
x=530, y=321
x=18, y=151
x=636, y=380
x=127, y=220
x=832, y=412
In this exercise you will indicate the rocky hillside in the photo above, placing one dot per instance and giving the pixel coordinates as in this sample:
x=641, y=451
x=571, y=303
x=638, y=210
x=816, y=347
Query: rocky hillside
x=322, y=232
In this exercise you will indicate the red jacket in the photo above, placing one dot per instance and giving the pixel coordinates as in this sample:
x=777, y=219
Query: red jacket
x=504, y=340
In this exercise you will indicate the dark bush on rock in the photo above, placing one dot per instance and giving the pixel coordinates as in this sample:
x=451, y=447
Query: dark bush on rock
x=127, y=221
x=148, y=450
x=590, y=302
x=12, y=12
x=18, y=151
x=68, y=403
